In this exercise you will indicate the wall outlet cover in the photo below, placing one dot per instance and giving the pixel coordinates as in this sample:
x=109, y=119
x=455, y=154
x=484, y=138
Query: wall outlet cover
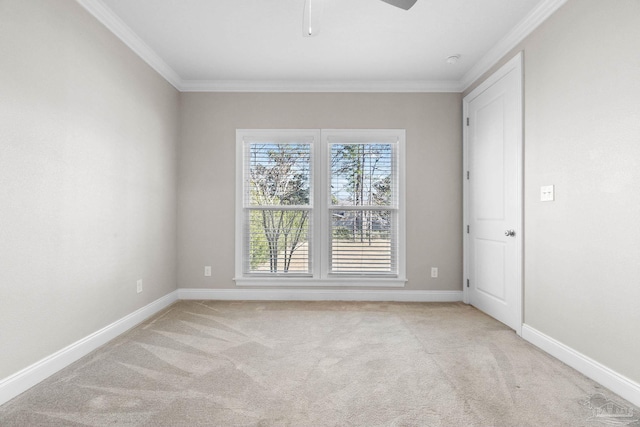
x=547, y=193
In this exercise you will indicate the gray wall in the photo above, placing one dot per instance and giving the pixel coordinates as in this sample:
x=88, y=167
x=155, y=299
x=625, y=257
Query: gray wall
x=87, y=180
x=582, y=134
x=206, y=217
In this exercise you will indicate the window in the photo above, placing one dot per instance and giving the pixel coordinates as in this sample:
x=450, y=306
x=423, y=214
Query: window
x=320, y=208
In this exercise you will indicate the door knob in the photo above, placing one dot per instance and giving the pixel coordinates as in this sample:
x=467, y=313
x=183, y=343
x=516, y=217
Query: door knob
x=510, y=233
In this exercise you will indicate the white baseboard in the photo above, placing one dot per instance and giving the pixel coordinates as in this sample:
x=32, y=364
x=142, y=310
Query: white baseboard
x=319, y=295
x=21, y=381
x=612, y=380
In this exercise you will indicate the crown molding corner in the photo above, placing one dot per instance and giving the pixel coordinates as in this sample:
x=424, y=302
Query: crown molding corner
x=525, y=27
x=114, y=24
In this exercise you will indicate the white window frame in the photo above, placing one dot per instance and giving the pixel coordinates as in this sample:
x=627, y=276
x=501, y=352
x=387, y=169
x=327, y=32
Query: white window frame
x=320, y=275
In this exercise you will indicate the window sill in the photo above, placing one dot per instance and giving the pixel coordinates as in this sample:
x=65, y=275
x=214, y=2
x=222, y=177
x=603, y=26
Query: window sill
x=372, y=282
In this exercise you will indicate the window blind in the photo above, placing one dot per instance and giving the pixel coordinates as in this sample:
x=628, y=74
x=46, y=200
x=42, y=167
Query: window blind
x=277, y=208
x=364, y=201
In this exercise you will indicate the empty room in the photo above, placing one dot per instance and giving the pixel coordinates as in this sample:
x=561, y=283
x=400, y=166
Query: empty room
x=319, y=212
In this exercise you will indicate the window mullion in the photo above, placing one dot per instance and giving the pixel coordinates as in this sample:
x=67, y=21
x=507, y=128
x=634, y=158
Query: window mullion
x=321, y=199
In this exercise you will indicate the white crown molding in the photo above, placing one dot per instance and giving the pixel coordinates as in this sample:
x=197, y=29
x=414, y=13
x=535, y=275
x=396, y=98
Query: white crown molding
x=318, y=295
x=319, y=86
x=612, y=380
x=110, y=20
x=536, y=17
x=21, y=381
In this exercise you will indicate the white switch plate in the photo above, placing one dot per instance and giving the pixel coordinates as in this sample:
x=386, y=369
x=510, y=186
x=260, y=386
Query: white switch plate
x=434, y=272
x=547, y=193
x=139, y=285
x=207, y=270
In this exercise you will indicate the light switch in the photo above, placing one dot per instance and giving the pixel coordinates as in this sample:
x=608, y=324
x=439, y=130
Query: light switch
x=547, y=193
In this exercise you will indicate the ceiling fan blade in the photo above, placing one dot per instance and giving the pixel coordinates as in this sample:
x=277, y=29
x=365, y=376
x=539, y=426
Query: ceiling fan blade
x=402, y=4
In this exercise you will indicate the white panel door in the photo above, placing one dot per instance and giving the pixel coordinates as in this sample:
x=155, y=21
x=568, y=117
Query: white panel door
x=493, y=140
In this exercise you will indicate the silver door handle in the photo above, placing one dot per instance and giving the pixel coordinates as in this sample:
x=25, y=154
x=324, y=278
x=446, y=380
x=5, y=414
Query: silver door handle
x=510, y=233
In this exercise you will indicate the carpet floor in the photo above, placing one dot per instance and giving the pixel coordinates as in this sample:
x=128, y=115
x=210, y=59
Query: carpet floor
x=217, y=363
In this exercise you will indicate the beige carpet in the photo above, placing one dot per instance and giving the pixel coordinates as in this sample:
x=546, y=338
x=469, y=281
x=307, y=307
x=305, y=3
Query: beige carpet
x=318, y=364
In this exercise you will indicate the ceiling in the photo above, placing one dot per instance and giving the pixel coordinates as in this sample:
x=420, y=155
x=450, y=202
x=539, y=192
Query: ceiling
x=361, y=45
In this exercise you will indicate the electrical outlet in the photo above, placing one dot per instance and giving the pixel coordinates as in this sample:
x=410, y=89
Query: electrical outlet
x=207, y=270
x=547, y=193
x=434, y=272
x=139, y=285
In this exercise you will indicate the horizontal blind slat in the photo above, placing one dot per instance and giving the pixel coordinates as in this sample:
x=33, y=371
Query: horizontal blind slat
x=363, y=242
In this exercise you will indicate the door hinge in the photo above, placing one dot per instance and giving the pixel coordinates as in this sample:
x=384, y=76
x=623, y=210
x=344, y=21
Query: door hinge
x=467, y=283
x=467, y=174
x=467, y=229
x=467, y=121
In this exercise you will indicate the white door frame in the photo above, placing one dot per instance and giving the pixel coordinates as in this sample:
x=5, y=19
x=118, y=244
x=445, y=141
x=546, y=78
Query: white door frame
x=516, y=63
